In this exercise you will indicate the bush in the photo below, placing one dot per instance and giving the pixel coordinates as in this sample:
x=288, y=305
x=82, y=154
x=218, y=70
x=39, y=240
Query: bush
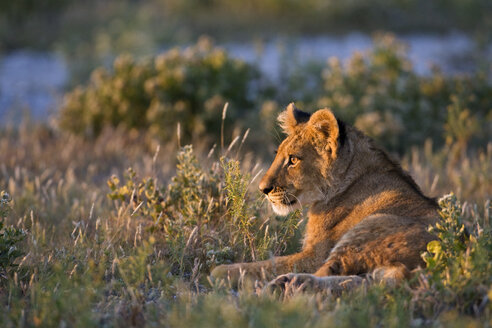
x=187, y=86
x=10, y=237
x=380, y=92
x=206, y=217
x=459, y=263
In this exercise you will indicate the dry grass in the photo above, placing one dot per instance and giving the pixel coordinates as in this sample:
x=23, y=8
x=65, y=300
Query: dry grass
x=143, y=257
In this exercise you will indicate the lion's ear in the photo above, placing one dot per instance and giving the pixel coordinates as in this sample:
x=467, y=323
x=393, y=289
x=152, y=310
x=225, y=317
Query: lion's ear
x=291, y=117
x=326, y=124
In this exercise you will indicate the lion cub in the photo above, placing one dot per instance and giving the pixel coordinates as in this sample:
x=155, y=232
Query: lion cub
x=366, y=216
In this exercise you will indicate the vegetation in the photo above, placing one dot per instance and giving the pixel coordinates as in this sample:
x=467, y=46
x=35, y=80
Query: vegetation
x=106, y=220
x=377, y=91
x=9, y=238
x=138, y=250
x=189, y=87
x=202, y=209
x=381, y=94
x=458, y=263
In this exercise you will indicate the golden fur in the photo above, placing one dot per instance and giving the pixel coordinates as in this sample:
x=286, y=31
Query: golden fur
x=367, y=216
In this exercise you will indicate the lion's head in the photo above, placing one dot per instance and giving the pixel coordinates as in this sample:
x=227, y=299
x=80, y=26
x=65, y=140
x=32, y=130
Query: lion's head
x=303, y=170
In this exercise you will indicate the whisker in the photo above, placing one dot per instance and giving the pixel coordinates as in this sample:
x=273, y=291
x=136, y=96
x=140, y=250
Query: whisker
x=262, y=202
x=298, y=200
x=259, y=197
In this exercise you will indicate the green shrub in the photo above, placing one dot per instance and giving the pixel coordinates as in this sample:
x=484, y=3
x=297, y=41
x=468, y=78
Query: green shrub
x=206, y=217
x=187, y=86
x=10, y=237
x=459, y=263
x=381, y=94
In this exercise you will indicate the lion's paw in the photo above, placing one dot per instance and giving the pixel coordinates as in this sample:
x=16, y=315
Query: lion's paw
x=293, y=282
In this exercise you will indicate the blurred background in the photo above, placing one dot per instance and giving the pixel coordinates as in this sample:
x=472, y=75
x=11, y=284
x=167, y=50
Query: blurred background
x=402, y=71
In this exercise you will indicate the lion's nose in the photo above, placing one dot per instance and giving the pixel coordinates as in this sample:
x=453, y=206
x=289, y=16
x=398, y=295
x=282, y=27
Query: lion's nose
x=266, y=184
x=266, y=189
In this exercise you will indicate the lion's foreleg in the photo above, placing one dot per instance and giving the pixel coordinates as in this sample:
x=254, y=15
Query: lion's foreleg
x=268, y=269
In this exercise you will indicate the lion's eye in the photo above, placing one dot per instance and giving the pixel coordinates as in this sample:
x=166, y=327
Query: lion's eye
x=293, y=160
